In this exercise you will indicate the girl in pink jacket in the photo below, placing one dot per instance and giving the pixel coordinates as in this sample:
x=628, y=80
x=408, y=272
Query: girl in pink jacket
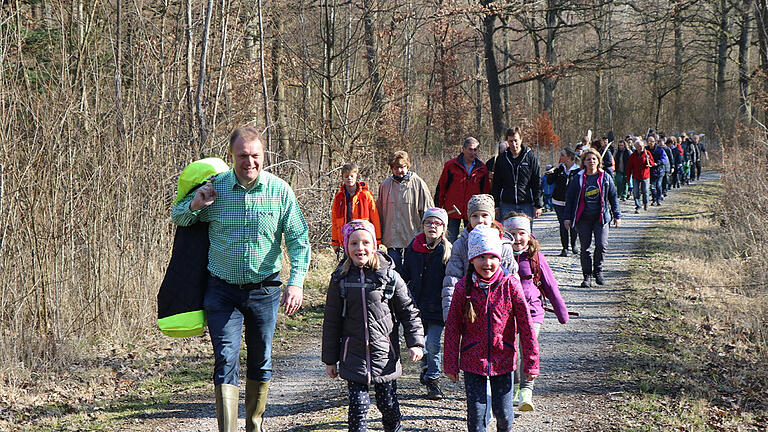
x=487, y=310
x=539, y=285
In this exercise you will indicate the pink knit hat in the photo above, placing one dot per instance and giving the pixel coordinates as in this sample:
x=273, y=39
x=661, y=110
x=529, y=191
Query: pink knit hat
x=483, y=240
x=354, y=225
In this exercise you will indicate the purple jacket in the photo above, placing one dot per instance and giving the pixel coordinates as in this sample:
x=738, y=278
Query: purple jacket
x=548, y=287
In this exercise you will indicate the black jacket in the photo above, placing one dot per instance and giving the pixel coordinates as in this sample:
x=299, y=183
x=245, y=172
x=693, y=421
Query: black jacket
x=621, y=158
x=560, y=178
x=424, y=273
x=517, y=180
x=607, y=160
x=359, y=332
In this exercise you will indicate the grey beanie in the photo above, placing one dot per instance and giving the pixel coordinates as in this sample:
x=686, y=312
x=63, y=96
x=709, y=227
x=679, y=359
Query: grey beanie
x=482, y=202
x=436, y=212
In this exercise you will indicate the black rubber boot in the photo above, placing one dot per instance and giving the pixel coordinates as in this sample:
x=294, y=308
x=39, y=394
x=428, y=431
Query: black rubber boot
x=433, y=390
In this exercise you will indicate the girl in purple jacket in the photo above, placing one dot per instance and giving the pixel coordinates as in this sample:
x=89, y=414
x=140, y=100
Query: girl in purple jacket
x=539, y=285
x=487, y=311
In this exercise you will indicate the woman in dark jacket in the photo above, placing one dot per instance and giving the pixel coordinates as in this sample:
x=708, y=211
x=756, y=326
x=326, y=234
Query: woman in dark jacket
x=560, y=176
x=424, y=270
x=591, y=202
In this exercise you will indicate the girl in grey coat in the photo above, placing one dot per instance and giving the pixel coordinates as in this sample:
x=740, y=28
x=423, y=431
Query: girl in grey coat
x=360, y=341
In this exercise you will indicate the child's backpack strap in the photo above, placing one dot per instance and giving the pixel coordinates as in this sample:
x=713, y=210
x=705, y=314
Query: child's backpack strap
x=343, y=294
x=536, y=276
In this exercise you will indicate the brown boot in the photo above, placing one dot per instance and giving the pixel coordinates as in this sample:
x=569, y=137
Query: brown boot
x=226, y=407
x=255, y=404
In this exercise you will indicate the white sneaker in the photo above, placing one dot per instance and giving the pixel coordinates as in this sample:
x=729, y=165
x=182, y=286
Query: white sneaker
x=526, y=400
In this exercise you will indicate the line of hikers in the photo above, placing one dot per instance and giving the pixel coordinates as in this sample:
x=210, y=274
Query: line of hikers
x=406, y=262
x=486, y=287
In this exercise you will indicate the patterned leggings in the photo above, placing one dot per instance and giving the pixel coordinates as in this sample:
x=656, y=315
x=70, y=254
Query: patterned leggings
x=386, y=402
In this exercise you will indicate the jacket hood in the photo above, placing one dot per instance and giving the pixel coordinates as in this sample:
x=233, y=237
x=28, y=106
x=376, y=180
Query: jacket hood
x=361, y=187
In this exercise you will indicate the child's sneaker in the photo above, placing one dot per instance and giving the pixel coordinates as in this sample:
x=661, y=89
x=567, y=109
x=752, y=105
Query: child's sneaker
x=516, y=398
x=526, y=400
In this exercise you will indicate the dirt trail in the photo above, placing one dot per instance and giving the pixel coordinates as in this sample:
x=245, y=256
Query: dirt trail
x=570, y=394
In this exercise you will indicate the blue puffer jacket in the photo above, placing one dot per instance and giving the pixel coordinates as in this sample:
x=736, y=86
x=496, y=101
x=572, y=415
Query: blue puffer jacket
x=423, y=271
x=609, y=202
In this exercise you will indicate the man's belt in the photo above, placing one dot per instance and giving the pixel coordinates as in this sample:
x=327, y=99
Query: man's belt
x=270, y=281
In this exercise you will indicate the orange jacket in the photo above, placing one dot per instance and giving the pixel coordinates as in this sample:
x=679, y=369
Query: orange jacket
x=363, y=207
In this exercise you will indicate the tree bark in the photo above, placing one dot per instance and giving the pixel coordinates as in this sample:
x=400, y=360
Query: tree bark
x=745, y=106
x=202, y=120
x=721, y=63
x=492, y=74
x=550, y=54
x=190, y=61
x=372, y=59
x=278, y=87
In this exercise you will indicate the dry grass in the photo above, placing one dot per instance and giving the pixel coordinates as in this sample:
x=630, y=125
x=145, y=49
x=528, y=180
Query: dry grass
x=692, y=343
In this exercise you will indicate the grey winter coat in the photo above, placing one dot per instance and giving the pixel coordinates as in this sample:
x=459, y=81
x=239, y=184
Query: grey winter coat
x=359, y=332
x=459, y=263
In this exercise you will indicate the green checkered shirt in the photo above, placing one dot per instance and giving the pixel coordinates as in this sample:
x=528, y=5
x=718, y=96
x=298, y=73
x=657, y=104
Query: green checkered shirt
x=246, y=229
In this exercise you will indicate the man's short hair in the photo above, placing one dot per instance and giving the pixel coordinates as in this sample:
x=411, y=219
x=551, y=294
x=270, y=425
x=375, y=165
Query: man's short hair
x=247, y=134
x=468, y=141
x=398, y=158
x=514, y=130
x=348, y=168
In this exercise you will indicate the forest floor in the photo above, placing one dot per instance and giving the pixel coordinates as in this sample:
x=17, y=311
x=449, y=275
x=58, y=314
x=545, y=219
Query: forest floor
x=587, y=381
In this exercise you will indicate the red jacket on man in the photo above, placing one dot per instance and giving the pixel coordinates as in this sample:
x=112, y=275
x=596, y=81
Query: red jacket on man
x=456, y=187
x=639, y=165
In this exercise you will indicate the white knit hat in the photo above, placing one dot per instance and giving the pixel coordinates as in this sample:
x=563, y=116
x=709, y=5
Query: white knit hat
x=483, y=240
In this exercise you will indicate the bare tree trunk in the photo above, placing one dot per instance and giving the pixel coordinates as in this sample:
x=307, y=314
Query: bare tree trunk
x=761, y=17
x=118, y=77
x=405, y=120
x=478, y=87
x=372, y=58
x=221, y=80
x=745, y=106
x=278, y=86
x=677, y=23
x=190, y=54
x=202, y=121
x=492, y=74
x=550, y=54
x=327, y=95
x=265, y=92
x=721, y=62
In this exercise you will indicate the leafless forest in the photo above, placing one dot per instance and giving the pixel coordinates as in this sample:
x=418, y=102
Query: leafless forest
x=102, y=104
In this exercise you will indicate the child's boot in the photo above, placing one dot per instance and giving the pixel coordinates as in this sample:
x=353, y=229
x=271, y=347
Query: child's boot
x=526, y=399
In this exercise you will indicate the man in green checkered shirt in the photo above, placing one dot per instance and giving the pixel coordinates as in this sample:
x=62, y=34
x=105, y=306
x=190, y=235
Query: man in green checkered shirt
x=249, y=212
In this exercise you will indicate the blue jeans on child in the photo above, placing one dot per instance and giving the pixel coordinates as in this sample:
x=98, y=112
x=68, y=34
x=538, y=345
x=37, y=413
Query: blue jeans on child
x=433, y=331
x=501, y=401
x=386, y=402
x=227, y=308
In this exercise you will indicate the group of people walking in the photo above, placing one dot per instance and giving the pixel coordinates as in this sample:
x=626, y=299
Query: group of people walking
x=460, y=271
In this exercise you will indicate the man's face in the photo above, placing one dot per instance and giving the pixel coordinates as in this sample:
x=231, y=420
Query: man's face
x=651, y=142
x=696, y=139
x=470, y=152
x=622, y=146
x=400, y=170
x=603, y=142
x=515, y=143
x=248, y=157
x=638, y=147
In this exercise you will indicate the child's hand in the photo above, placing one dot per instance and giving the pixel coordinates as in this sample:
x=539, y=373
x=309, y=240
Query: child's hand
x=453, y=377
x=415, y=353
x=530, y=377
x=331, y=371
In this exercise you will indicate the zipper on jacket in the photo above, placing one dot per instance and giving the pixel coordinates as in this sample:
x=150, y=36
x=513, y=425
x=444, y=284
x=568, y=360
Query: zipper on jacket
x=367, y=334
x=488, y=317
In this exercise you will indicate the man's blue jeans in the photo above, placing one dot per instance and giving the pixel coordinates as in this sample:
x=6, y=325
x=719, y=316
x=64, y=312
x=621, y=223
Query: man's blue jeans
x=453, y=228
x=227, y=308
x=433, y=331
x=656, y=187
x=640, y=188
x=501, y=401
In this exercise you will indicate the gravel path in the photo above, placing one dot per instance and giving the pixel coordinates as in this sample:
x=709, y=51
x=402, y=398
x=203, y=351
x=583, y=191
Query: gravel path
x=570, y=393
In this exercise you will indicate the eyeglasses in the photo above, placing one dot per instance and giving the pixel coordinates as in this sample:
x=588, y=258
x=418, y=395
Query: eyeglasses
x=433, y=224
